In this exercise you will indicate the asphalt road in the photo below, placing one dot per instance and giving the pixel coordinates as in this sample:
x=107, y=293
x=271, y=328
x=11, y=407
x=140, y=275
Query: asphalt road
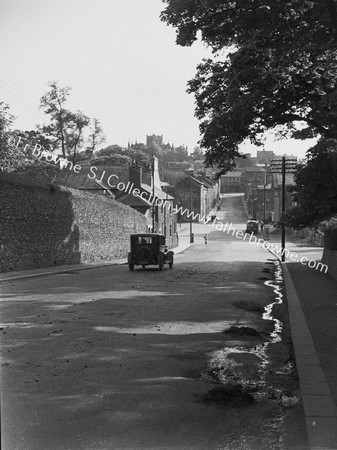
x=112, y=359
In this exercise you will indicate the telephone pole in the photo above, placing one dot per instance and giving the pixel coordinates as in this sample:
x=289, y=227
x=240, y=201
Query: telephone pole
x=191, y=234
x=283, y=166
x=153, y=196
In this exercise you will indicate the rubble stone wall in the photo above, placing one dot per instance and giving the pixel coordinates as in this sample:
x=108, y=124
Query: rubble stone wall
x=43, y=226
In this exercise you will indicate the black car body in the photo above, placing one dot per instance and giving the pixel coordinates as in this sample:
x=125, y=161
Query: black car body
x=149, y=249
x=252, y=226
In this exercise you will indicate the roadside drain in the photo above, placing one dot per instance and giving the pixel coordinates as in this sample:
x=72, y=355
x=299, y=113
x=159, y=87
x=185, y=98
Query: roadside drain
x=248, y=370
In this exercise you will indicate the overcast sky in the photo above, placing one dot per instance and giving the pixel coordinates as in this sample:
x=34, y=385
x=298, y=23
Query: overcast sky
x=120, y=59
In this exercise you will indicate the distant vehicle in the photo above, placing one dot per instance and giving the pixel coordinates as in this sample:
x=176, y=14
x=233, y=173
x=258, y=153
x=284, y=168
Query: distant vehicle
x=252, y=226
x=149, y=249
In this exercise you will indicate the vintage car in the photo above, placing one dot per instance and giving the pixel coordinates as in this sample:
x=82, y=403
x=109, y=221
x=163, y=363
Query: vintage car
x=149, y=249
x=252, y=226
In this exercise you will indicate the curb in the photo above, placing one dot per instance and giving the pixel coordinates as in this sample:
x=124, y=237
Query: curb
x=319, y=408
x=61, y=270
x=75, y=268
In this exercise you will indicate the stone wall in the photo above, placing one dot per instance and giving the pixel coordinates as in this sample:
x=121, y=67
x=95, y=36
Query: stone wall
x=45, y=225
x=330, y=251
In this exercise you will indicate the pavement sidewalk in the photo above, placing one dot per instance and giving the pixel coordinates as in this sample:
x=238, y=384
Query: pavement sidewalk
x=312, y=303
x=184, y=242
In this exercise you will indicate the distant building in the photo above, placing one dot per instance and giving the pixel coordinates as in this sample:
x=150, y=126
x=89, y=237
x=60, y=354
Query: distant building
x=231, y=182
x=150, y=199
x=198, y=196
x=154, y=139
x=277, y=191
x=264, y=156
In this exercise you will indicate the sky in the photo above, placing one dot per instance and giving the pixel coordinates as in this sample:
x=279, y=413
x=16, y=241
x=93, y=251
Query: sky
x=120, y=60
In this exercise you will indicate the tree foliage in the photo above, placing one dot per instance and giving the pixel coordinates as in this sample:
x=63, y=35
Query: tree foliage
x=316, y=187
x=114, y=160
x=280, y=68
x=13, y=155
x=116, y=155
x=110, y=150
x=74, y=126
x=96, y=135
x=197, y=153
x=52, y=102
x=8, y=155
x=66, y=128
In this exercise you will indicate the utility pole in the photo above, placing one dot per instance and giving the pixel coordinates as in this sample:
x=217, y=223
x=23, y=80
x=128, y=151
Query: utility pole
x=283, y=166
x=264, y=198
x=253, y=205
x=191, y=234
x=153, y=196
x=264, y=203
x=283, y=240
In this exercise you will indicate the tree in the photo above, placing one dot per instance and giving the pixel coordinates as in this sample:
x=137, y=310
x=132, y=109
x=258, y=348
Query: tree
x=138, y=156
x=73, y=131
x=114, y=160
x=140, y=146
x=32, y=137
x=52, y=102
x=280, y=68
x=8, y=156
x=15, y=152
x=110, y=150
x=66, y=128
x=96, y=135
x=316, y=187
x=116, y=155
x=13, y=155
x=197, y=153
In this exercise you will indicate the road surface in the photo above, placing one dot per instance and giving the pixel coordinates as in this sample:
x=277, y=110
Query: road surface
x=112, y=359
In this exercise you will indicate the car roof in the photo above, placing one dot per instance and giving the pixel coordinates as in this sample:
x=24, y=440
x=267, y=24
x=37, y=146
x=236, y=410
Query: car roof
x=147, y=234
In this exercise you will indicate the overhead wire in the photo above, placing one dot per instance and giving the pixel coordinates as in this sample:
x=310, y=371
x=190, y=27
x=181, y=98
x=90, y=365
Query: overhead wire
x=21, y=104
x=17, y=87
x=22, y=99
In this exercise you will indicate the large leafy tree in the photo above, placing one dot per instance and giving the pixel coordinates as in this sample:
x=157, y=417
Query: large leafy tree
x=315, y=187
x=66, y=128
x=53, y=104
x=275, y=64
